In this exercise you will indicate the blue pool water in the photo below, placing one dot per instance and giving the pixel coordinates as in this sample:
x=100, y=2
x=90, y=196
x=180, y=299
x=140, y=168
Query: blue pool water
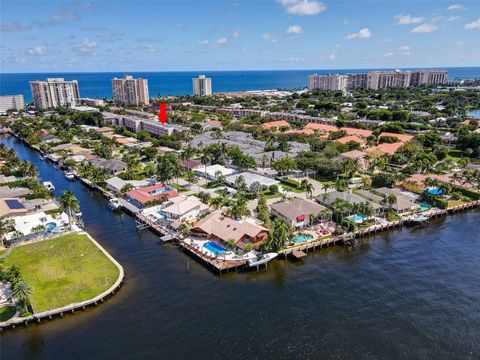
x=161, y=215
x=50, y=226
x=299, y=238
x=435, y=191
x=357, y=217
x=214, y=247
x=424, y=207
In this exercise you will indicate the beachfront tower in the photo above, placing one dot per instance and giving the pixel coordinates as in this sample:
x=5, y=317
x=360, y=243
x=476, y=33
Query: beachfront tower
x=202, y=86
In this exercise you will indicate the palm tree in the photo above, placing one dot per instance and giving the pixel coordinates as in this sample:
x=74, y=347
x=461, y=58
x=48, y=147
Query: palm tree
x=231, y=244
x=205, y=160
x=70, y=204
x=309, y=189
x=5, y=226
x=22, y=291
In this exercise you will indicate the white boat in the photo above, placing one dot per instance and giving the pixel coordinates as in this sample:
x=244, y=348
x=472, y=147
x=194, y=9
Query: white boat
x=262, y=259
x=69, y=175
x=114, y=204
x=418, y=218
x=49, y=186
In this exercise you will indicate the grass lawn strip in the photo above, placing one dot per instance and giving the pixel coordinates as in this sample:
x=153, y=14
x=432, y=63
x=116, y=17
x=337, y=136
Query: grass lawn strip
x=64, y=270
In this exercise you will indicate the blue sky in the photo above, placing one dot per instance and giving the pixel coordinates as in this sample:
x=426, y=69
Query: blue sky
x=38, y=36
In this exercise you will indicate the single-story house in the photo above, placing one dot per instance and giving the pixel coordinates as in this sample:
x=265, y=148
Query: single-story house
x=16, y=192
x=11, y=208
x=217, y=226
x=115, y=184
x=142, y=196
x=296, y=212
x=250, y=178
x=360, y=156
x=213, y=170
x=113, y=166
x=330, y=198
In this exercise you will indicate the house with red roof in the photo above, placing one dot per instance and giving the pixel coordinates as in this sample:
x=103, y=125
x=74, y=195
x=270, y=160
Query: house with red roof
x=277, y=124
x=347, y=139
x=321, y=127
x=152, y=194
x=401, y=137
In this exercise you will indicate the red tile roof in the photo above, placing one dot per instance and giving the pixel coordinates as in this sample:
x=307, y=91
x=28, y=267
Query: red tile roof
x=321, y=127
x=401, y=137
x=347, y=139
x=150, y=193
x=277, y=124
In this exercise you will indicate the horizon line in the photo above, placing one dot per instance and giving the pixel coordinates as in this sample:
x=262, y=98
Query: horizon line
x=240, y=70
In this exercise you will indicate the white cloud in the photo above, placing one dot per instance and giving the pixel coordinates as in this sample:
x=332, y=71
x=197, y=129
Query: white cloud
x=424, y=28
x=402, y=19
x=361, y=34
x=236, y=34
x=473, y=25
x=269, y=37
x=87, y=47
x=11, y=27
x=455, y=7
x=38, y=50
x=65, y=15
x=220, y=42
x=294, y=29
x=332, y=57
x=405, y=49
x=453, y=18
x=179, y=26
x=203, y=42
x=303, y=7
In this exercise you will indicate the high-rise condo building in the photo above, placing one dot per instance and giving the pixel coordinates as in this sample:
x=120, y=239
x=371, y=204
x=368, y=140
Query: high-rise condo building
x=54, y=92
x=387, y=79
x=330, y=82
x=429, y=77
x=357, y=81
x=202, y=86
x=11, y=102
x=130, y=91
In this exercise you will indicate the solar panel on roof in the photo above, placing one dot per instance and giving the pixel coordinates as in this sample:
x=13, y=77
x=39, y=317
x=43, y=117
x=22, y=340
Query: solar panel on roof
x=14, y=204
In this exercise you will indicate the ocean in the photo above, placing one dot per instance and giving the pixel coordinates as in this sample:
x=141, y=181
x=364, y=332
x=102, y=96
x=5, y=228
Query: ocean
x=98, y=85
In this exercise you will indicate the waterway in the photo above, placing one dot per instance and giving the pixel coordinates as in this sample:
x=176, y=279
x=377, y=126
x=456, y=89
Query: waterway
x=409, y=293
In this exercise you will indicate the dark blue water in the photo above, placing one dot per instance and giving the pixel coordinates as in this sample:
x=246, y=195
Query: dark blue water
x=98, y=85
x=412, y=293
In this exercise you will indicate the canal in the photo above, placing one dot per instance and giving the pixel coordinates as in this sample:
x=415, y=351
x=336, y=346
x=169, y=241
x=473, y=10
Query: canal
x=408, y=293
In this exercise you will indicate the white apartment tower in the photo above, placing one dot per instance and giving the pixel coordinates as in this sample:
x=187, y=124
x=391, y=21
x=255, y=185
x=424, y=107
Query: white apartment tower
x=429, y=77
x=11, y=102
x=330, y=82
x=54, y=92
x=387, y=79
x=130, y=91
x=202, y=86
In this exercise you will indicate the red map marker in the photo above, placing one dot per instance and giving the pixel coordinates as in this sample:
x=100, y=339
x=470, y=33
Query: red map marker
x=162, y=115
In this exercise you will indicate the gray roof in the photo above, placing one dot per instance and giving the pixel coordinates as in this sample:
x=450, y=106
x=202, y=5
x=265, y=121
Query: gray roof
x=297, y=207
x=112, y=164
x=369, y=195
x=351, y=198
x=6, y=192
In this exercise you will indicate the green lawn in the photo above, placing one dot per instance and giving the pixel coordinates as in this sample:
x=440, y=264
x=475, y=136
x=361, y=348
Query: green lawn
x=6, y=312
x=63, y=270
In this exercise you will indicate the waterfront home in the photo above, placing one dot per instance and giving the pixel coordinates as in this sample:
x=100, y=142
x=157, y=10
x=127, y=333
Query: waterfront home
x=11, y=208
x=251, y=178
x=298, y=213
x=211, y=172
x=150, y=195
x=405, y=201
x=49, y=139
x=217, y=226
x=115, y=184
x=171, y=213
x=16, y=192
x=29, y=226
x=7, y=179
x=329, y=198
x=112, y=166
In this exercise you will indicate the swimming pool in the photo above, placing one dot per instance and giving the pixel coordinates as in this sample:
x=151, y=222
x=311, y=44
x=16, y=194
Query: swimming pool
x=161, y=215
x=424, y=207
x=358, y=218
x=214, y=247
x=50, y=226
x=299, y=238
x=435, y=191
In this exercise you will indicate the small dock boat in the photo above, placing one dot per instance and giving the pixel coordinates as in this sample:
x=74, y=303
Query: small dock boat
x=418, y=218
x=261, y=259
x=69, y=175
x=49, y=186
x=114, y=204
